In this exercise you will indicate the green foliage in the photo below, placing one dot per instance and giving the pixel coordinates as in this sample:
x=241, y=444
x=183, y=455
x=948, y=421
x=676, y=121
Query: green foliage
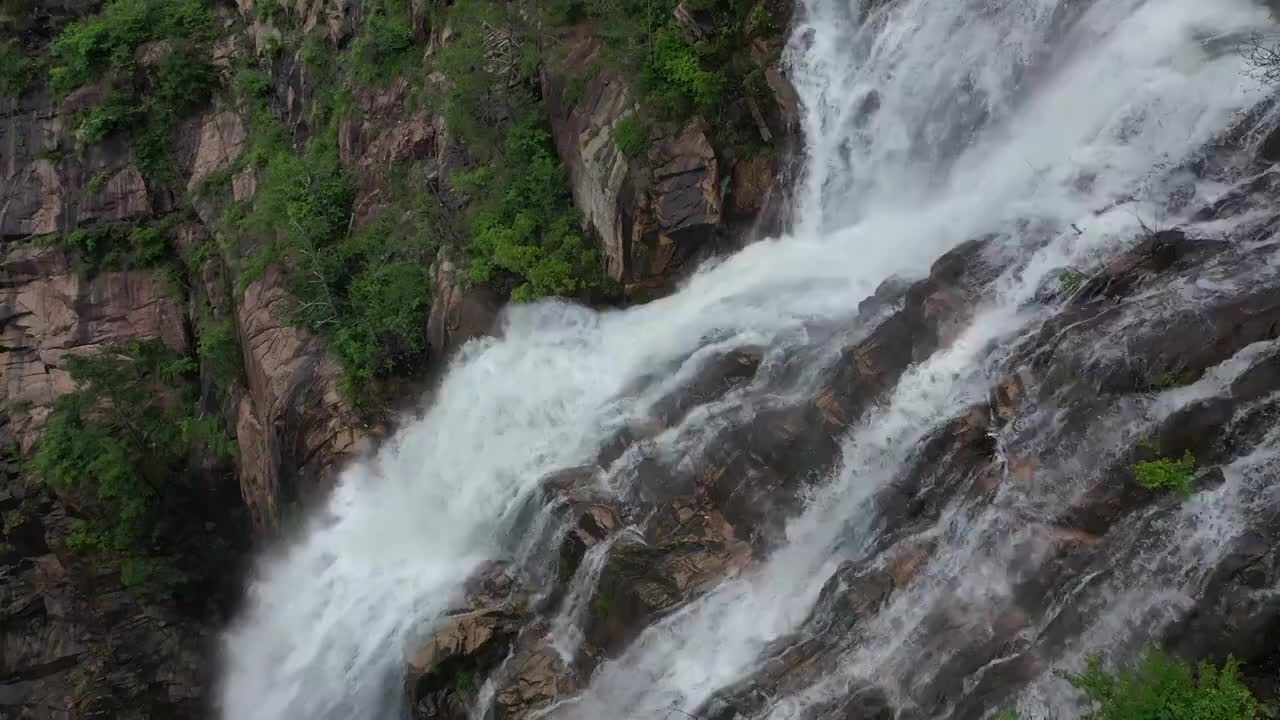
x=1163, y=687
x=219, y=349
x=253, y=87
x=129, y=246
x=98, y=182
x=121, y=443
x=17, y=70
x=266, y=11
x=1164, y=474
x=146, y=99
x=464, y=681
x=525, y=226
x=677, y=79
x=1070, y=281
x=386, y=44
x=632, y=136
x=679, y=71
x=492, y=76
x=111, y=39
x=366, y=289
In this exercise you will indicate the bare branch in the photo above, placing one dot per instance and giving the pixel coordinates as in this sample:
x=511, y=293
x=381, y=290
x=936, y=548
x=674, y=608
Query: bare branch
x=1263, y=58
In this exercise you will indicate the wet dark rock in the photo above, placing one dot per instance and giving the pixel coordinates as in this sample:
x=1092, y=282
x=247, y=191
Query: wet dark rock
x=443, y=673
x=1260, y=380
x=686, y=551
x=1155, y=254
x=713, y=381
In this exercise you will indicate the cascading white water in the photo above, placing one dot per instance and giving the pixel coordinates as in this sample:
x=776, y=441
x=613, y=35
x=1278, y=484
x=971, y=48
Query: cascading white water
x=928, y=122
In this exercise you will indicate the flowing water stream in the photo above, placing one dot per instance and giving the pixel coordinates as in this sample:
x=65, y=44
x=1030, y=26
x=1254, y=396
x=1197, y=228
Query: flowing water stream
x=1058, y=127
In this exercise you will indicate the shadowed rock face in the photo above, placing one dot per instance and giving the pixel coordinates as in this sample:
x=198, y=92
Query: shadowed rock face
x=73, y=642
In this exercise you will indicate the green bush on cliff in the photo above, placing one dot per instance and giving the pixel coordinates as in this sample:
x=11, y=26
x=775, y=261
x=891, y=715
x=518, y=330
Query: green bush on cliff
x=367, y=289
x=17, y=70
x=153, y=56
x=1164, y=474
x=118, y=247
x=525, y=231
x=386, y=43
x=679, y=70
x=677, y=79
x=121, y=444
x=1162, y=687
x=632, y=136
x=219, y=349
x=491, y=65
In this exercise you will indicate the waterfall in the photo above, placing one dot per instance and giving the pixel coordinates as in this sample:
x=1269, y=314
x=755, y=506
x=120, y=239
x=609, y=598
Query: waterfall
x=1055, y=128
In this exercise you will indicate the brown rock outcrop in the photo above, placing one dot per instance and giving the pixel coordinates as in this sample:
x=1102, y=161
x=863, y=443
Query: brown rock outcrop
x=459, y=312
x=295, y=428
x=48, y=311
x=656, y=214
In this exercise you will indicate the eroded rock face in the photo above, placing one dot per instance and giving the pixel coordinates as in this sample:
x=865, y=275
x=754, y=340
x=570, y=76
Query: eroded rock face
x=220, y=141
x=48, y=311
x=459, y=311
x=466, y=644
x=295, y=428
x=661, y=212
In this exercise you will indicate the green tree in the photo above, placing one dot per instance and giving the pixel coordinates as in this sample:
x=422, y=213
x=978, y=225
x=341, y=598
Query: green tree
x=121, y=445
x=148, y=95
x=525, y=225
x=1163, y=687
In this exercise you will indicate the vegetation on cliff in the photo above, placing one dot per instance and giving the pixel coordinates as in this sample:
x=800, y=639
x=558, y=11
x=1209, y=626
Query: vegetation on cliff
x=153, y=58
x=125, y=443
x=1162, y=687
x=685, y=58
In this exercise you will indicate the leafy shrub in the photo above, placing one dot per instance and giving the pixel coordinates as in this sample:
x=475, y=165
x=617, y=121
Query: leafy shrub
x=489, y=87
x=678, y=74
x=525, y=225
x=632, y=136
x=121, y=442
x=366, y=289
x=676, y=78
x=98, y=182
x=386, y=43
x=17, y=71
x=129, y=246
x=1070, y=281
x=1163, y=687
x=266, y=11
x=146, y=100
x=1165, y=474
x=111, y=39
x=219, y=349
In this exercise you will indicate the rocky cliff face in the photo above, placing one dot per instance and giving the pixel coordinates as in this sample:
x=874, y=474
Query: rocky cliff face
x=659, y=212
x=74, y=282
